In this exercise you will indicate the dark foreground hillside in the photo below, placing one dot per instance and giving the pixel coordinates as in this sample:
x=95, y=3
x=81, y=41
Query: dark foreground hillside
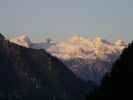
x=29, y=74
x=119, y=83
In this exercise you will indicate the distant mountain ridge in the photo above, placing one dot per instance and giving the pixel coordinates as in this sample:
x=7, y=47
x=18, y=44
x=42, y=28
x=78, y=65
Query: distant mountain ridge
x=80, y=47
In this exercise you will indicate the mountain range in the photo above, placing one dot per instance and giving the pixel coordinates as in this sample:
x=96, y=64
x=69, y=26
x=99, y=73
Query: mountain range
x=28, y=73
x=89, y=59
x=31, y=74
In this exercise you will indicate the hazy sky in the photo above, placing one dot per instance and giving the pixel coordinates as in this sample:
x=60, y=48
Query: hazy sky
x=111, y=19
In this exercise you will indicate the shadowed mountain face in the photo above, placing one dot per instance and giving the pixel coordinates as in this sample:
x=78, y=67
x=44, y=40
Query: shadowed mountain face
x=29, y=74
x=119, y=83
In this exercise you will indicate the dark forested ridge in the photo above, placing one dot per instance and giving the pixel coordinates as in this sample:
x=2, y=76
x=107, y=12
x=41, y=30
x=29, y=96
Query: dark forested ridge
x=29, y=74
x=119, y=83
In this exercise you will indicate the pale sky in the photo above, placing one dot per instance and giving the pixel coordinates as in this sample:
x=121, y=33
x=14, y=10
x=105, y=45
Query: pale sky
x=59, y=19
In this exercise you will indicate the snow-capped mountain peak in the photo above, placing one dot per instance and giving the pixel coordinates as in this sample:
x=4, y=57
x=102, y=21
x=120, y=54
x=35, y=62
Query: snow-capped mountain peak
x=82, y=47
x=79, y=40
x=22, y=40
x=88, y=58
